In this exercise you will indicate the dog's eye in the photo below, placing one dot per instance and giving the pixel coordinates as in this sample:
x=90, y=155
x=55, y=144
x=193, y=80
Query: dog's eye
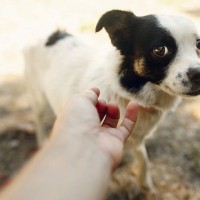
x=160, y=51
x=198, y=44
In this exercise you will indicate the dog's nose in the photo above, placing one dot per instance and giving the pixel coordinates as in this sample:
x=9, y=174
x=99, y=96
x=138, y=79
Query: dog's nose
x=194, y=75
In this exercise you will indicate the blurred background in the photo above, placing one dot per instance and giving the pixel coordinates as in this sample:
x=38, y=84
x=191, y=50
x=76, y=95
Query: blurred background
x=175, y=149
x=22, y=21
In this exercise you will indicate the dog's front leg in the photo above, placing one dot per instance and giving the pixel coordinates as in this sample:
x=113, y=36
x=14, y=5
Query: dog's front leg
x=135, y=164
x=147, y=120
x=144, y=175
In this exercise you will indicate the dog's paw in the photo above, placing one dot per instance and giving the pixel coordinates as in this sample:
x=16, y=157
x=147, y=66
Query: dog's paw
x=123, y=184
x=132, y=192
x=127, y=195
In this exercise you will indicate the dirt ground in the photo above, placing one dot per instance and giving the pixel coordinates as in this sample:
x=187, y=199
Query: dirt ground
x=174, y=151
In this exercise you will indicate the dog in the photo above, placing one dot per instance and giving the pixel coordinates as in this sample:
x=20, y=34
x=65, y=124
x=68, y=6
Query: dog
x=153, y=60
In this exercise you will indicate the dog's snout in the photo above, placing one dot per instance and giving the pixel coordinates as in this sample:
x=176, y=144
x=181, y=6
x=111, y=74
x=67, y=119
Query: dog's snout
x=194, y=75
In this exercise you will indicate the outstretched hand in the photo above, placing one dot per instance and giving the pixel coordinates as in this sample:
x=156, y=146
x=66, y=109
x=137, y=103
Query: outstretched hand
x=97, y=121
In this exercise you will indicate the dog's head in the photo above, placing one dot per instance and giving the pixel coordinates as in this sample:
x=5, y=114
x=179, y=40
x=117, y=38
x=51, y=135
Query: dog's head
x=163, y=50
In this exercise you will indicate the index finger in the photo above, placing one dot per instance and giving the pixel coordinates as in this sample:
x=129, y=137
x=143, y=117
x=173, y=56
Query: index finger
x=129, y=120
x=92, y=95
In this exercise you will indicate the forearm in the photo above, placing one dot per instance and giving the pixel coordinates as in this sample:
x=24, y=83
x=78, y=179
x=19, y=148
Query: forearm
x=62, y=170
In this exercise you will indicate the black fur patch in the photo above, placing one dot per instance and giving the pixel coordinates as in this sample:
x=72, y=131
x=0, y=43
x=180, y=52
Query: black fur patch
x=117, y=23
x=136, y=37
x=147, y=36
x=58, y=35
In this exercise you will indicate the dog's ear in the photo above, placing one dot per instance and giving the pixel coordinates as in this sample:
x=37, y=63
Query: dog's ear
x=119, y=25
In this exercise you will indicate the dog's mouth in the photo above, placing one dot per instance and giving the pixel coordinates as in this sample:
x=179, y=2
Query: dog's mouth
x=193, y=93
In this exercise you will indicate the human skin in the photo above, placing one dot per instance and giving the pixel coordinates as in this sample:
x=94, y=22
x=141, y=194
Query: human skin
x=77, y=160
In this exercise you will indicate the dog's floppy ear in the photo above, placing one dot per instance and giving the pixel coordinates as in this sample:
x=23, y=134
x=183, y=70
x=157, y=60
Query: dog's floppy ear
x=119, y=25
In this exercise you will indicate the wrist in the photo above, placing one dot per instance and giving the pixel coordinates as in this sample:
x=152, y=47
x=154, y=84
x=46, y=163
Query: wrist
x=86, y=164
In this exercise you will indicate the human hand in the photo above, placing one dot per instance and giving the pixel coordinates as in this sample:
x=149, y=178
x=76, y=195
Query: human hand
x=94, y=122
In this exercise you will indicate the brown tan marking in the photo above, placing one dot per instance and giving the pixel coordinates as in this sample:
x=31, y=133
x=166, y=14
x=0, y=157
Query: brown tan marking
x=139, y=67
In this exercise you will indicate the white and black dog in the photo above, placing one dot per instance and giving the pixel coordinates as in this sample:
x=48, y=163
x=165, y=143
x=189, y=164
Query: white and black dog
x=153, y=59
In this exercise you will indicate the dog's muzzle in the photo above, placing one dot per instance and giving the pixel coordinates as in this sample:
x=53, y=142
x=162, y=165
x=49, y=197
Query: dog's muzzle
x=193, y=75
